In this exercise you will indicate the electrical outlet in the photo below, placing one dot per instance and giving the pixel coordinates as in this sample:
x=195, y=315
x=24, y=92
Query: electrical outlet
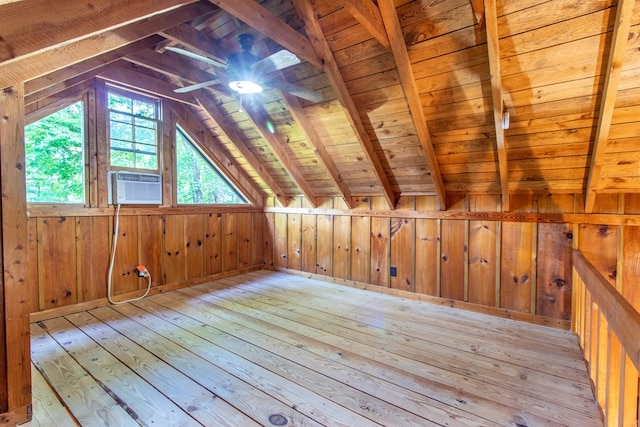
x=393, y=272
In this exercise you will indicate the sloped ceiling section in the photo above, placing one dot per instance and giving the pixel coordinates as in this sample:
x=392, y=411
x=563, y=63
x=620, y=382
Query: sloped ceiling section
x=417, y=97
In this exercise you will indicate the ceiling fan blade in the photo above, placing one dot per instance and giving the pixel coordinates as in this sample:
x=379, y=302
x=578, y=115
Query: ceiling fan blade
x=196, y=56
x=298, y=91
x=197, y=86
x=274, y=62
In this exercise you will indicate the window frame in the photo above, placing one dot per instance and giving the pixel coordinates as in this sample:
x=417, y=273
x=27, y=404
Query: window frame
x=178, y=129
x=134, y=95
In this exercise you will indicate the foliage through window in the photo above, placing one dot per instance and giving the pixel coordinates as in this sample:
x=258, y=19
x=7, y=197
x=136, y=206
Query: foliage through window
x=54, y=151
x=199, y=181
x=133, y=131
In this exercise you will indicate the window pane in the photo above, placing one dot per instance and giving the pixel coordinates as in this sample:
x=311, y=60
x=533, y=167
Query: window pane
x=121, y=131
x=124, y=159
x=144, y=109
x=120, y=103
x=199, y=181
x=145, y=135
x=54, y=149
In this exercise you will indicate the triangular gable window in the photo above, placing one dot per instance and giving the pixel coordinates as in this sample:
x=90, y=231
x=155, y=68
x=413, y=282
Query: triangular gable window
x=199, y=181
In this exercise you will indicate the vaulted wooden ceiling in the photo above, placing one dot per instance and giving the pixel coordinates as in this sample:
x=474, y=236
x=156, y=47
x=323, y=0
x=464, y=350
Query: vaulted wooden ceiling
x=414, y=93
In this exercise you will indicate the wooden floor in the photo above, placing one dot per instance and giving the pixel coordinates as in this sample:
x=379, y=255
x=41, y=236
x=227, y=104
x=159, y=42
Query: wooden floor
x=274, y=349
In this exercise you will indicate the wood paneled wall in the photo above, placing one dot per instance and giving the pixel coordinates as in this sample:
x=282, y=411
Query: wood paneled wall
x=521, y=264
x=69, y=255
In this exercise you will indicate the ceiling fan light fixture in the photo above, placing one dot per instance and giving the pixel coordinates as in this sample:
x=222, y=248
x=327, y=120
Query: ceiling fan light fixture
x=245, y=87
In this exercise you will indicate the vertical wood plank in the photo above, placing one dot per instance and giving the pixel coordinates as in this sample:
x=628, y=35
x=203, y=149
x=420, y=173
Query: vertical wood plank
x=612, y=408
x=213, y=244
x=427, y=243
x=294, y=237
x=194, y=245
x=125, y=278
x=174, y=253
x=93, y=256
x=402, y=235
x=57, y=273
x=554, y=269
x=91, y=156
x=102, y=142
x=150, y=248
x=341, y=246
x=15, y=320
x=360, y=243
x=245, y=227
x=482, y=252
x=230, y=242
x=599, y=243
x=324, y=242
x=256, y=238
x=32, y=275
x=453, y=253
x=380, y=249
x=308, y=229
x=280, y=241
x=268, y=233
x=516, y=259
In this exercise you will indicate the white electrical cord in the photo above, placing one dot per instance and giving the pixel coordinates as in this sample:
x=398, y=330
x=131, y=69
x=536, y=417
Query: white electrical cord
x=144, y=272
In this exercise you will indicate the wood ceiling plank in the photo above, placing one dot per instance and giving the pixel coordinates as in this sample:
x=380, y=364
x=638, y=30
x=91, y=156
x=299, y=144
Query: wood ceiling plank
x=259, y=118
x=491, y=23
x=399, y=49
x=624, y=14
x=330, y=67
x=44, y=62
x=30, y=26
x=210, y=108
x=259, y=17
x=368, y=15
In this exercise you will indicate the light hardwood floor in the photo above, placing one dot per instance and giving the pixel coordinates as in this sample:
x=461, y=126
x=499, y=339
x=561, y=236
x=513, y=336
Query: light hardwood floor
x=274, y=349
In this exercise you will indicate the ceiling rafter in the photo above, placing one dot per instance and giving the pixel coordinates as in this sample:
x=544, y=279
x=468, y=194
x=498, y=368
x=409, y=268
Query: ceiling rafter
x=259, y=17
x=258, y=117
x=49, y=30
x=125, y=74
x=330, y=67
x=368, y=15
x=46, y=61
x=214, y=113
x=619, y=39
x=195, y=41
x=399, y=50
x=497, y=95
x=170, y=64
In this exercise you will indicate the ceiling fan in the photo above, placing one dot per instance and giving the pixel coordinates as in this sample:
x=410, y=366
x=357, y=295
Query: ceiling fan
x=245, y=73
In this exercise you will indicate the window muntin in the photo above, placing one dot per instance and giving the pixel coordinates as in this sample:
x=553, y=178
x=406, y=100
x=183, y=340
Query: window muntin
x=54, y=157
x=133, y=131
x=198, y=180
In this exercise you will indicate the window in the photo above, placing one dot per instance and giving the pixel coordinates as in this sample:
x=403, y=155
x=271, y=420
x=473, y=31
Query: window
x=199, y=181
x=133, y=131
x=54, y=149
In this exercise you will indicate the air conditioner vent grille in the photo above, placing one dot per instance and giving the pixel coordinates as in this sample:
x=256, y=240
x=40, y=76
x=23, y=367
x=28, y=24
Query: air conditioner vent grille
x=135, y=188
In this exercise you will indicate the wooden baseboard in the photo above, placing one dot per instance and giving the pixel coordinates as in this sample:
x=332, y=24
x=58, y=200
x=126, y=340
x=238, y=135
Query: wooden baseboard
x=493, y=311
x=17, y=416
x=90, y=305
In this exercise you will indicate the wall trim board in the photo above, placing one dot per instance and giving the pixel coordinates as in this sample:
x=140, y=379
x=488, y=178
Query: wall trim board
x=17, y=416
x=155, y=290
x=551, y=218
x=35, y=211
x=493, y=311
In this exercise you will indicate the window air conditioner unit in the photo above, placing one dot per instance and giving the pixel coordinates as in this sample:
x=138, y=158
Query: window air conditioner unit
x=135, y=188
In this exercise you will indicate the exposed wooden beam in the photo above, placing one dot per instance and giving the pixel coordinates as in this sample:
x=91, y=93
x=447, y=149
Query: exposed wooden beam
x=195, y=41
x=491, y=22
x=478, y=11
x=126, y=75
x=214, y=113
x=170, y=64
x=192, y=125
x=258, y=117
x=399, y=49
x=368, y=15
x=260, y=18
x=30, y=26
x=44, y=62
x=330, y=67
x=619, y=39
